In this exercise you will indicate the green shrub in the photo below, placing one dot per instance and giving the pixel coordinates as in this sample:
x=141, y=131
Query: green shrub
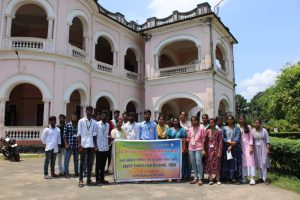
x=282, y=125
x=285, y=156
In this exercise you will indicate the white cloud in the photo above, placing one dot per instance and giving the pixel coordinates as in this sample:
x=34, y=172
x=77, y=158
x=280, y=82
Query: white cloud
x=164, y=8
x=257, y=83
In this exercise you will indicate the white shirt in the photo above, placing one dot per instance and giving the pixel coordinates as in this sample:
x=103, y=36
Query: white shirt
x=132, y=130
x=87, y=129
x=102, y=136
x=51, y=137
x=186, y=125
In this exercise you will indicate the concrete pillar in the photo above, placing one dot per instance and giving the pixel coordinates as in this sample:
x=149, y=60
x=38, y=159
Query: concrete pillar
x=2, y=112
x=46, y=113
x=8, y=26
x=50, y=28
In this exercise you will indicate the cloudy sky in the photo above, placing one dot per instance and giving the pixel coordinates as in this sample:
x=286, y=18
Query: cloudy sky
x=268, y=33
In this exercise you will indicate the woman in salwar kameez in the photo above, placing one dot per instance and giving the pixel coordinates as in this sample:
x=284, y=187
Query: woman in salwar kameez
x=232, y=152
x=177, y=132
x=248, y=163
x=261, y=150
x=213, y=149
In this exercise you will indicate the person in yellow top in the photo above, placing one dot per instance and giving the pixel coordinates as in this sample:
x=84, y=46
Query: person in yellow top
x=161, y=128
x=119, y=133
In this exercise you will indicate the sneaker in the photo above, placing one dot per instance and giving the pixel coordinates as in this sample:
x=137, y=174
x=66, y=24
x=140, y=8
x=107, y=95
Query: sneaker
x=194, y=181
x=252, y=182
x=89, y=182
x=105, y=182
x=80, y=184
x=46, y=177
x=67, y=176
x=200, y=183
x=219, y=183
x=210, y=183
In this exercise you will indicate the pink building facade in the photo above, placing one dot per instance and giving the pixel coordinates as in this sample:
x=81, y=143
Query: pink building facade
x=61, y=56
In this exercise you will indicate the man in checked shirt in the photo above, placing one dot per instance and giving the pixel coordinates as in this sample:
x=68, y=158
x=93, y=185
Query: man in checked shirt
x=71, y=144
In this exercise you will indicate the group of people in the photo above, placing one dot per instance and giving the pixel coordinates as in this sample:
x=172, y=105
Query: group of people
x=230, y=152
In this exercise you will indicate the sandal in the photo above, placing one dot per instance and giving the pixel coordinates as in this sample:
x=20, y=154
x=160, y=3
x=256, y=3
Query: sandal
x=80, y=184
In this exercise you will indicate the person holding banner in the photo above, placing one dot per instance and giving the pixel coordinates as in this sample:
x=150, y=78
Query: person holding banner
x=118, y=132
x=196, y=139
x=177, y=132
x=162, y=128
x=147, y=128
x=132, y=128
x=213, y=146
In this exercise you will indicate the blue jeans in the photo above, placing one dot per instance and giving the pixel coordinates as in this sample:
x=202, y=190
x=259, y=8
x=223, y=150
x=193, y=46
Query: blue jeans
x=68, y=154
x=196, y=158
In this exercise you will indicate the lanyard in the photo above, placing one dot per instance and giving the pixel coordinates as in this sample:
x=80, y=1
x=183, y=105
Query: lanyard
x=88, y=127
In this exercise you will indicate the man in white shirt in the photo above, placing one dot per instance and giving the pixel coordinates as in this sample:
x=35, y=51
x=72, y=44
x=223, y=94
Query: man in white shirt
x=87, y=131
x=51, y=137
x=132, y=128
x=103, y=148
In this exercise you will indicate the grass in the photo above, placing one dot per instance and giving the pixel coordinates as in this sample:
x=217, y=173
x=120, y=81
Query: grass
x=286, y=182
x=27, y=155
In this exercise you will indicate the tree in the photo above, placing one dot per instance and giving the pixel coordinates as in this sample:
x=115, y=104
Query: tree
x=241, y=105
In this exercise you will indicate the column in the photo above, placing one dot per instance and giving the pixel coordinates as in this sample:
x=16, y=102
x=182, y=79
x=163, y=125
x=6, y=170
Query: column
x=139, y=72
x=198, y=67
x=46, y=113
x=86, y=42
x=115, y=58
x=50, y=28
x=2, y=112
x=83, y=110
x=156, y=61
x=8, y=26
x=67, y=39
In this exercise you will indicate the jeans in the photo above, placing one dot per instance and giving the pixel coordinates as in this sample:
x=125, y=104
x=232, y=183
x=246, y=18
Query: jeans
x=87, y=153
x=196, y=158
x=68, y=154
x=50, y=157
x=60, y=155
x=101, y=157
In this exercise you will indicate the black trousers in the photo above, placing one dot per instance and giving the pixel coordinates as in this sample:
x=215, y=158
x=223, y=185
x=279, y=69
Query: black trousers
x=50, y=156
x=109, y=157
x=101, y=157
x=86, y=155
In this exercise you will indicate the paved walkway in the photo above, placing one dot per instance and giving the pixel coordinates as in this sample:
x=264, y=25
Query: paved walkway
x=25, y=180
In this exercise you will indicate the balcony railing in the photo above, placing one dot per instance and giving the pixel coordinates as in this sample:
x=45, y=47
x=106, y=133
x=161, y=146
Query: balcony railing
x=104, y=67
x=177, y=70
x=77, y=53
x=26, y=43
x=131, y=75
x=23, y=133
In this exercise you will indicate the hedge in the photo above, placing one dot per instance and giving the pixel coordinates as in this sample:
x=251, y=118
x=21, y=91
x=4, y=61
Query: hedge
x=285, y=156
x=289, y=135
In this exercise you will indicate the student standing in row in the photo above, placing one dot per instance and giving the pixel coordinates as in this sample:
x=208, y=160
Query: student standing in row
x=62, y=150
x=71, y=143
x=161, y=128
x=87, y=131
x=148, y=129
x=132, y=128
x=51, y=138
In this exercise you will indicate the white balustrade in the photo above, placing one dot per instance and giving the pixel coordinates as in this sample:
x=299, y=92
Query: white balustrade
x=77, y=53
x=31, y=44
x=177, y=70
x=104, y=67
x=23, y=133
x=131, y=75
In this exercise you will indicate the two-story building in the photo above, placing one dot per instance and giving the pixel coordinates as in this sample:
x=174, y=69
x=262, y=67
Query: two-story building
x=61, y=56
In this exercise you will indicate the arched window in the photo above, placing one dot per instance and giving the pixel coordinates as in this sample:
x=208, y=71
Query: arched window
x=131, y=63
x=220, y=58
x=30, y=21
x=166, y=61
x=103, y=51
x=76, y=33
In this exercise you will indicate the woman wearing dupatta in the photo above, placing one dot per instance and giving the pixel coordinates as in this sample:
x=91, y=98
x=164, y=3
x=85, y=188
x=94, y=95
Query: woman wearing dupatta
x=177, y=132
x=161, y=128
x=232, y=152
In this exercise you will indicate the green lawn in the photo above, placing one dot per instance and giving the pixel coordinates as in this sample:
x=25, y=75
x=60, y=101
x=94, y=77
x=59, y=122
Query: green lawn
x=286, y=182
x=27, y=155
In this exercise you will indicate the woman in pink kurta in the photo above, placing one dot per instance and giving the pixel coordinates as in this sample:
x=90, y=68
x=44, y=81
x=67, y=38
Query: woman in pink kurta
x=213, y=147
x=248, y=162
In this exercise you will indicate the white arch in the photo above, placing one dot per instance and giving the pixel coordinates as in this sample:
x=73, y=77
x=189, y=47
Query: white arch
x=177, y=38
x=109, y=37
x=136, y=102
x=161, y=101
x=8, y=85
x=111, y=99
x=14, y=5
x=227, y=102
x=137, y=51
x=82, y=16
x=83, y=91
